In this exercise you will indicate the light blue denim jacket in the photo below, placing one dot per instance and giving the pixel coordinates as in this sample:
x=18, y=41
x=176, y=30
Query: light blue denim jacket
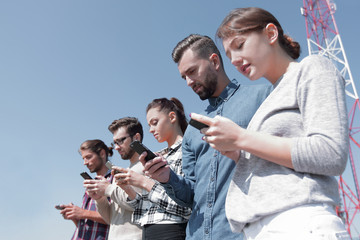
x=208, y=172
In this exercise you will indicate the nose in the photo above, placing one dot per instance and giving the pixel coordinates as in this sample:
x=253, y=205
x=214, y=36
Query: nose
x=151, y=130
x=116, y=147
x=236, y=60
x=86, y=162
x=189, y=82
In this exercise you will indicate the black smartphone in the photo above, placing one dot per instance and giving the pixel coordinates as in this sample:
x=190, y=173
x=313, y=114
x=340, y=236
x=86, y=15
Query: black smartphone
x=197, y=124
x=85, y=175
x=58, y=207
x=140, y=148
x=109, y=165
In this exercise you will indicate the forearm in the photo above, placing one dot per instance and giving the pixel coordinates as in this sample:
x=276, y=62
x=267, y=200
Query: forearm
x=313, y=154
x=180, y=189
x=118, y=195
x=139, y=181
x=103, y=207
x=75, y=222
x=148, y=184
x=159, y=196
x=94, y=216
x=130, y=192
x=271, y=148
x=319, y=155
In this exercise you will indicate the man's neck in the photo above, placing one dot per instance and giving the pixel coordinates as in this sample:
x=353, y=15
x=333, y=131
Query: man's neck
x=102, y=171
x=134, y=159
x=223, y=81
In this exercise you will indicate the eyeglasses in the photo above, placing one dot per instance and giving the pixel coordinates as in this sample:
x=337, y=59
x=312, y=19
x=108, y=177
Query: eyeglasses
x=120, y=141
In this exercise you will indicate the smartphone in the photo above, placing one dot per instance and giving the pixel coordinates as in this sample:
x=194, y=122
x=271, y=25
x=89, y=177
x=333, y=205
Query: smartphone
x=140, y=148
x=109, y=165
x=197, y=124
x=85, y=175
x=58, y=207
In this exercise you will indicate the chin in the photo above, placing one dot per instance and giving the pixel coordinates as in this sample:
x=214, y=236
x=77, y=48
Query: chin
x=160, y=140
x=254, y=78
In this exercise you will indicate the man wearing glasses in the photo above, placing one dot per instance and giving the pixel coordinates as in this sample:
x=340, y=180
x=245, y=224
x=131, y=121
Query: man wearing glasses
x=118, y=213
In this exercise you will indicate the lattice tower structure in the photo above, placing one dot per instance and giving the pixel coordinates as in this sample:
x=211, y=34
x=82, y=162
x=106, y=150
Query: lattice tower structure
x=323, y=38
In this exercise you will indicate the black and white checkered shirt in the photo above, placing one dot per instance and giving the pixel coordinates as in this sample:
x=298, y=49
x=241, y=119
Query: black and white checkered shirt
x=156, y=206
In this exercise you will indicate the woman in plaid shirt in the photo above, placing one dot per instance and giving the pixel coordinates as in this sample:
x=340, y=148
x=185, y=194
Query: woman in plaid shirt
x=159, y=215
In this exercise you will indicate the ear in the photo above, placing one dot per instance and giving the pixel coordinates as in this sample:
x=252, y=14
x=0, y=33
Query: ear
x=172, y=117
x=272, y=33
x=137, y=137
x=102, y=154
x=215, y=60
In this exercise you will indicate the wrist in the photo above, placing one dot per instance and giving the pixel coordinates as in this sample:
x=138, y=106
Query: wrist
x=148, y=184
x=83, y=214
x=243, y=139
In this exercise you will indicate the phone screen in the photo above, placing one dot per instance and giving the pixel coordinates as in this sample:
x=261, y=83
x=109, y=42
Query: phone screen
x=197, y=124
x=58, y=207
x=85, y=175
x=109, y=165
x=140, y=148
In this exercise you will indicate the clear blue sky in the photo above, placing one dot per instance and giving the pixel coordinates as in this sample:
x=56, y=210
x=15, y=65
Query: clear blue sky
x=69, y=68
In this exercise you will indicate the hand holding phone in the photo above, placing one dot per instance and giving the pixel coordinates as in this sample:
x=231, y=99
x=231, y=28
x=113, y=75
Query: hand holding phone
x=109, y=165
x=85, y=175
x=140, y=148
x=197, y=124
x=58, y=207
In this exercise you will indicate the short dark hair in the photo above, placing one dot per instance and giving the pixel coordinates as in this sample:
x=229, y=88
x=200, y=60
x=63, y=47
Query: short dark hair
x=202, y=45
x=96, y=146
x=131, y=124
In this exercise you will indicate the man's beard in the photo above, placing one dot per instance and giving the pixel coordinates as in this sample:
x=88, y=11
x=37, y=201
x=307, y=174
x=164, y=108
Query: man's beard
x=98, y=166
x=209, y=86
x=96, y=169
x=128, y=154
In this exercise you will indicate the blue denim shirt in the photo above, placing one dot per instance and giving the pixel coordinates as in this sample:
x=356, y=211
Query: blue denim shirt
x=207, y=172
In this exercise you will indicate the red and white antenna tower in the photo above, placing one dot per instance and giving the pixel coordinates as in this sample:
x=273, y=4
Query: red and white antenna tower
x=323, y=38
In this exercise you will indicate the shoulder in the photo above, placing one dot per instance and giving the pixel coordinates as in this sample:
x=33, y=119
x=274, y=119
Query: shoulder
x=255, y=90
x=314, y=58
x=316, y=70
x=316, y=64
x=255, y=87
x=189, y=134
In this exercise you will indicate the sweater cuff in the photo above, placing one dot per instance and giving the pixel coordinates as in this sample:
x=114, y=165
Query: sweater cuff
x=133, y=203
x=295, y=155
